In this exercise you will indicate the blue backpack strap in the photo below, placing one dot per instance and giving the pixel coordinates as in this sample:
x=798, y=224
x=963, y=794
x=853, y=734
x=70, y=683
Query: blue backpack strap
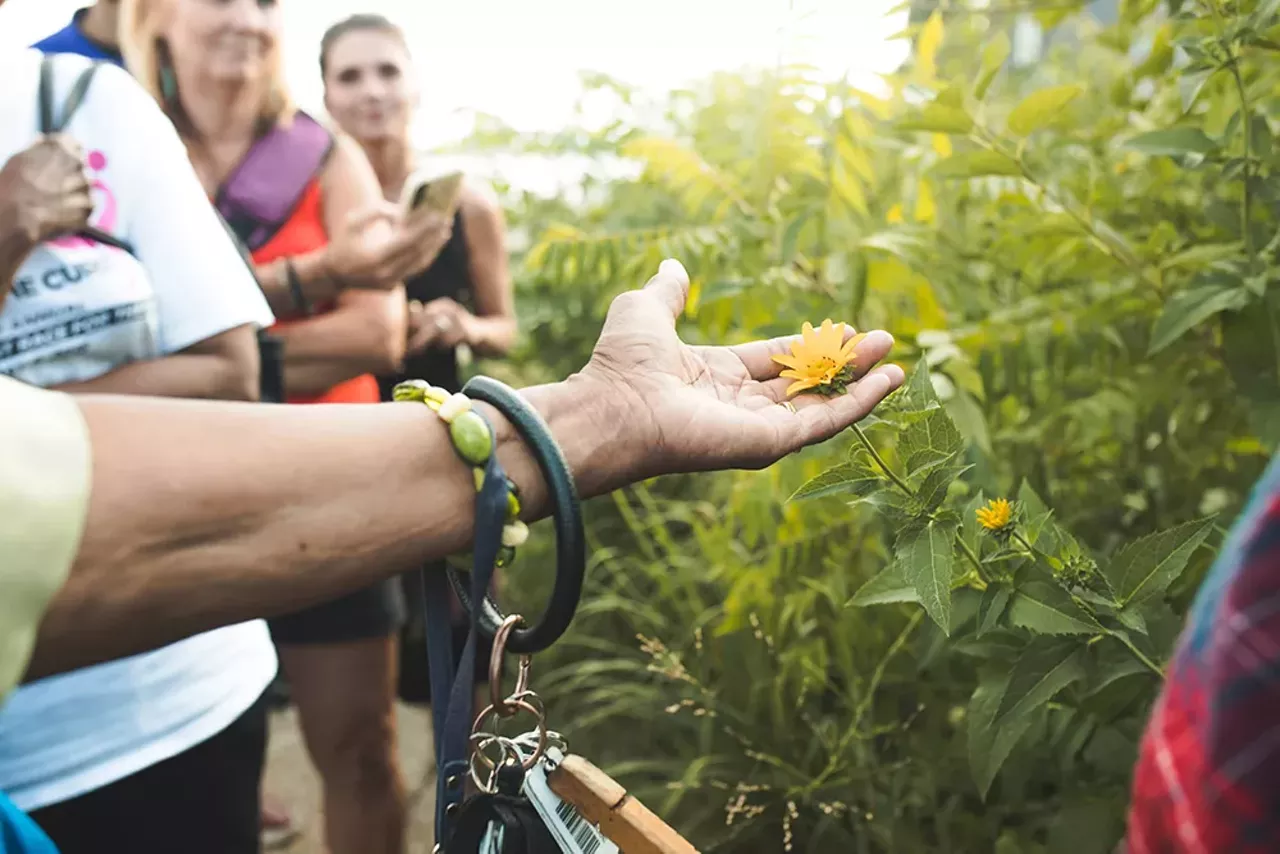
x=19, y=834
x=265, y=189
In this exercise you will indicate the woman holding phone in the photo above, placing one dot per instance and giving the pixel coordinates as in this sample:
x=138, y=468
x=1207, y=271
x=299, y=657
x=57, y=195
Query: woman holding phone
x=465, y=297
x=331, y=254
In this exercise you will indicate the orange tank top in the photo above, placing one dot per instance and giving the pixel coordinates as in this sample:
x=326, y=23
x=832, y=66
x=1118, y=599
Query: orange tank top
x=302, y=233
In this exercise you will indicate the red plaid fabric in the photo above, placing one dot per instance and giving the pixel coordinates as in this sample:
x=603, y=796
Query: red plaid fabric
x=1208, y=773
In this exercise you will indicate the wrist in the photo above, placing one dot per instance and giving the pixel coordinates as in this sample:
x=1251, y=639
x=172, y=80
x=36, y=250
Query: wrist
x=317, y=277
x=584, y=421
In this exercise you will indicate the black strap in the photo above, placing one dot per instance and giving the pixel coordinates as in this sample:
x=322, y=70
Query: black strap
x=453, y=727
x=50, y=123
x=571, y=548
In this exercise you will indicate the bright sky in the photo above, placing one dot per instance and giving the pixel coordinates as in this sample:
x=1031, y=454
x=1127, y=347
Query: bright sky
x=519, y=59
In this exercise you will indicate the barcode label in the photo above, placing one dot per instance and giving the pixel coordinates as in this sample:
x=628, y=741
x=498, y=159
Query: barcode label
x=583, y=833
x=573, y=833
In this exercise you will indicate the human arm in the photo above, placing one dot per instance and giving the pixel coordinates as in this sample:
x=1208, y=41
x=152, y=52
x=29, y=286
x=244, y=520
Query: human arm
x=204, y=513
x=363, y=334
x=224, y=366
x=491, y=330
x=371, y=245
x=365, y=331
x=43, y=193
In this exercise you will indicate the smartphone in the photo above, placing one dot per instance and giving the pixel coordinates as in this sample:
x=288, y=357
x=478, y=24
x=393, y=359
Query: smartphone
x=440, y=194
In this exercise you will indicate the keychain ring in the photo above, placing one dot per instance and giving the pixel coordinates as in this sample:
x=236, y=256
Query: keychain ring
x=510, y=750
x=506, y=708
x=523, y=706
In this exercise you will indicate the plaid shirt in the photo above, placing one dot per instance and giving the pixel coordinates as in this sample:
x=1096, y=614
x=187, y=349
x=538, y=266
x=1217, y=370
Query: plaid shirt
x=1208, y=773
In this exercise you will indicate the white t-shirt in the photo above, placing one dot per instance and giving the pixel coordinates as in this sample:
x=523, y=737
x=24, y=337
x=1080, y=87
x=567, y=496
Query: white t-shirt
x=76, y=311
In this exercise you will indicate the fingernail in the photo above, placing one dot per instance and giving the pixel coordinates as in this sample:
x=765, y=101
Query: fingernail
x=672, y=267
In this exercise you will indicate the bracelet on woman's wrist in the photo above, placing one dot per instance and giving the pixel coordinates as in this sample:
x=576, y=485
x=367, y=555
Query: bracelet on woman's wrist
x=300, y=301
x=473, y=442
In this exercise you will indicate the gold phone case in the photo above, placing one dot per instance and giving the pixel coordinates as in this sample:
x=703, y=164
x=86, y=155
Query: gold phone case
x=440, y=194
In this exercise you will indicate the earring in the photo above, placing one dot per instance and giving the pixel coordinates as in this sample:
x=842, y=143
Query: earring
x=168, y=84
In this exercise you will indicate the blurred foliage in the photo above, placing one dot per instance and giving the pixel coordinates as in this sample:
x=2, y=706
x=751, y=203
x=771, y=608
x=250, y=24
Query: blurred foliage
x=1079, y=257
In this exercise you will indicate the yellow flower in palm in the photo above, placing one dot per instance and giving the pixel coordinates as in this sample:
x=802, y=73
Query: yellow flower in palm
x=821, y=360
x=996, y=515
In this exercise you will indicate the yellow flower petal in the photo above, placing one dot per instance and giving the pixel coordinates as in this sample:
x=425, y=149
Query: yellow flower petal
x=792, y=373
x=791, y=361
x=846, y=352
x=810, y=338
x=799, y=386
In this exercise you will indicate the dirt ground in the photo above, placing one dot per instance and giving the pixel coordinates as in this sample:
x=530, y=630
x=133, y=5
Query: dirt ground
x=291, y=778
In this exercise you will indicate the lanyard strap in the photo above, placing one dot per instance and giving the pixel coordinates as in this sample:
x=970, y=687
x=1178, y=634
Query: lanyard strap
x=453, y=727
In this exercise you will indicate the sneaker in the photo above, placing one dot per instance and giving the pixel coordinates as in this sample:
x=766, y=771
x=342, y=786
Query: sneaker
x=278, y=828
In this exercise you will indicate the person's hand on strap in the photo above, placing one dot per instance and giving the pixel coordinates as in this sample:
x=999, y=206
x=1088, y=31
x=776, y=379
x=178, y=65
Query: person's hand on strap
x=44, y=190
x=687, y=408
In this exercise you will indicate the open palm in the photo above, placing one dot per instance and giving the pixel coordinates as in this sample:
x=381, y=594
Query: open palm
x=718, y=407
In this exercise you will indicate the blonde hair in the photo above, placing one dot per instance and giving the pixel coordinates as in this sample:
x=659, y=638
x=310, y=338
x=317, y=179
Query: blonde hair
x=147, y=57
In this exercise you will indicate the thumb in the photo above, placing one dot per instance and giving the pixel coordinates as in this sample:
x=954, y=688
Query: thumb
x=671, y=286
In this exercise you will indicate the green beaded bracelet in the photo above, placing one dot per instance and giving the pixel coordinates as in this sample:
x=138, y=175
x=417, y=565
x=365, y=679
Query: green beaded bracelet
x=473, y=442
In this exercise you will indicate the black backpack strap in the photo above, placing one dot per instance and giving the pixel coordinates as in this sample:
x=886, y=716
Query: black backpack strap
x=49, y=123
x=46, y=94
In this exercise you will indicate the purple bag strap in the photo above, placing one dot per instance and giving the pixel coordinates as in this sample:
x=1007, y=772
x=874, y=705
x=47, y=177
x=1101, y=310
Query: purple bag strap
x=263, y=191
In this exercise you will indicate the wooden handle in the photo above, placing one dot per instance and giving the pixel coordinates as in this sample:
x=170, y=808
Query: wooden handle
x=601, y=800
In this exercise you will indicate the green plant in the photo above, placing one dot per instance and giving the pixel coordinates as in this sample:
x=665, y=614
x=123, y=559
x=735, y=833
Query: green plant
x=1080, y=256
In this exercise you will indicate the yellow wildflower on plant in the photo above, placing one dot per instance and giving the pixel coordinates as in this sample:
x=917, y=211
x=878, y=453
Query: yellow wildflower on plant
x=996, y=515
x=821, y=360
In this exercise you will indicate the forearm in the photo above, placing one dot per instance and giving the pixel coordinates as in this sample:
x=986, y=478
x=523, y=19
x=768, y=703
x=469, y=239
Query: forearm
x=195, y=375
x=278, y=508
x=324, y=351
x=318, y=284
x=14, y=248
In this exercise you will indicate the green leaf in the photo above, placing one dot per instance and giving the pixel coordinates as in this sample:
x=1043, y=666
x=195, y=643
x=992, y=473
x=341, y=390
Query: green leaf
x=1041, y=108
x=1132, y=619
x=971, y=530
x=932, y=490
x=938, y=118
x=1190, y=84
x=886, y=588
x=931, y=439
x=1146, y=567
x=1046, y=667
x=1173, y=142
x=1048, y=609
x=990, y=744
x=917, y=393
x=1201, y=254
x=1034, y=512
x=994, y=56
x=925, y=553
x=995, y=599
x=1188, y=309
x=854, y=477
x=969, y=419
x=977, y=164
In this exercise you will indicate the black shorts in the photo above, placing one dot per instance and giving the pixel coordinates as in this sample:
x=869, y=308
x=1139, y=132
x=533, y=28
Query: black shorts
x=415, y=673
x=377, y=611
x=205, y=800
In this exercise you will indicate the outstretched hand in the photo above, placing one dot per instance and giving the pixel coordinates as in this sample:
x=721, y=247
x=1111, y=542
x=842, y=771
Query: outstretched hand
x=702, y=408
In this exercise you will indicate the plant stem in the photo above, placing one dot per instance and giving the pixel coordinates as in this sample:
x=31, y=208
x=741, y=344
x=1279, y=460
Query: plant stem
x=910, y=493
x=1140, y=655
x=973, y=559
x=1022, y=540
x=879, y=460
x=1246, y=123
